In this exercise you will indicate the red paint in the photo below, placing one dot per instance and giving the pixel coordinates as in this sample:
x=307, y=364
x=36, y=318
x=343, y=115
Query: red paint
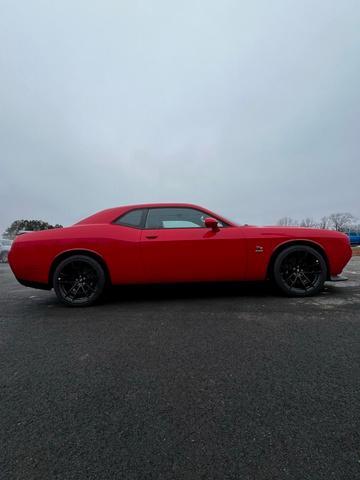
x=212, y=223
x=169, y=255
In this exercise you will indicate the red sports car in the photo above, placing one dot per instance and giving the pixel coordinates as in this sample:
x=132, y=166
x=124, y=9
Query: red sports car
x=177, y=242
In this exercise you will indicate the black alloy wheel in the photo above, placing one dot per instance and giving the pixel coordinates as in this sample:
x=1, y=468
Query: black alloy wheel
x=79, y=281
x=300, y=271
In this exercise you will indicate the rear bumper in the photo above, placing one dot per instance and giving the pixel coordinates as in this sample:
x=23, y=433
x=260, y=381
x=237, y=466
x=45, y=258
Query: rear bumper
x=38, y=285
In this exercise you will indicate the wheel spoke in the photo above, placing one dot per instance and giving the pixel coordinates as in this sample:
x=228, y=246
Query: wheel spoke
x=302, y=279
x=70, y=293
x=303, y=274
x=289, y=277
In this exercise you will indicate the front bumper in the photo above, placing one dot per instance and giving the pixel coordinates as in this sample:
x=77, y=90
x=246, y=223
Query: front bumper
x=338, y=278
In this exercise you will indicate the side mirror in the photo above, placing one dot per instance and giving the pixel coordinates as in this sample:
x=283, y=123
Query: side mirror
x=211, y=223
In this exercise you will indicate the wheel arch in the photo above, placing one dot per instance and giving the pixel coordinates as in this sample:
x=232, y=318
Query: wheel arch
x=78, y=251
x=291, y=243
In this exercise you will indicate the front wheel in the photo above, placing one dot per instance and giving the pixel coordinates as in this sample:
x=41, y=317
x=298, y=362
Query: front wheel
x=300, y=271
x=79, y=281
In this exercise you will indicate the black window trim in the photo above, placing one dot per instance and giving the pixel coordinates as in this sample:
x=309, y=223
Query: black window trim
x=145, y=214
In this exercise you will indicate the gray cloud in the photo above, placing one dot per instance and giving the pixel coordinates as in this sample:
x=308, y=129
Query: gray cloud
x=249, y=108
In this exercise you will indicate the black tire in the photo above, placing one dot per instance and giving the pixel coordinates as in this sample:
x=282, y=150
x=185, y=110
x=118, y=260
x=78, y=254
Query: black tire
x=299, y=271
x=4, y=257
x=79, y=281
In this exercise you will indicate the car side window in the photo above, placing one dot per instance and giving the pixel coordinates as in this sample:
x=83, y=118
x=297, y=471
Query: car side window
x=171, y=217
x=134, y=218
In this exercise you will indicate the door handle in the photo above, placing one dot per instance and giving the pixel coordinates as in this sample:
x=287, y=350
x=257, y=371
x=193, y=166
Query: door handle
x=151, y=237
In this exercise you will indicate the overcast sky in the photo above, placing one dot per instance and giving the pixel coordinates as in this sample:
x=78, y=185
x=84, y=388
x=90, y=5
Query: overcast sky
x=250, y=108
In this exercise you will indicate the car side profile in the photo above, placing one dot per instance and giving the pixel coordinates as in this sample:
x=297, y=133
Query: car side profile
x=174, y=242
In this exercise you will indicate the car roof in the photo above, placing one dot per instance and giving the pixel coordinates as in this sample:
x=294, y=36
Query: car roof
x=110, y=214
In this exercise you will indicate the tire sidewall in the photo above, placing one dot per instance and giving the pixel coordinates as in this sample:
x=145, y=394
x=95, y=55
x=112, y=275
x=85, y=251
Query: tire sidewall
x=100, y=285
x=277, y=278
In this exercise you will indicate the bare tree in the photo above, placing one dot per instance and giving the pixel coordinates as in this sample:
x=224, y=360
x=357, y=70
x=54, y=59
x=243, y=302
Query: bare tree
x=324, y=222
x=287, y=221
x=341, y=221
x=308, y=222
x=336, y=221
x=355, y=227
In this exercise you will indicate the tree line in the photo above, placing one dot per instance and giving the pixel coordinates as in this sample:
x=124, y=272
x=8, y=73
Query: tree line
x=27, y=225
x=341, y=222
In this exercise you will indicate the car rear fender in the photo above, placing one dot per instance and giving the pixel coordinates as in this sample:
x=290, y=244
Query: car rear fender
x=77, y=251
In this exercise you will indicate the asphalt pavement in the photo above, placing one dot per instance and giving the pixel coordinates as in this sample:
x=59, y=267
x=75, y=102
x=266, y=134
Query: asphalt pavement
x=181, y=382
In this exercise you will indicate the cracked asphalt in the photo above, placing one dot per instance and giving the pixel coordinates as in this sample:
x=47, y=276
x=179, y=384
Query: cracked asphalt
x=192, y=382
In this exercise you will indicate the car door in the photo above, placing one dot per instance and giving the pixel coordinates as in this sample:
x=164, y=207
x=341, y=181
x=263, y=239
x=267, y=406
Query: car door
x=176, y=246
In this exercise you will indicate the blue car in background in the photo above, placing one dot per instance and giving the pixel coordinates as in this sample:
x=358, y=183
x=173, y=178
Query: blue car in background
x=354, y=238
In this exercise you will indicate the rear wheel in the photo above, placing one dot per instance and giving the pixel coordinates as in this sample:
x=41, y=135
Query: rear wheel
x=300, y=271
x=4, y=257
x=79, y=281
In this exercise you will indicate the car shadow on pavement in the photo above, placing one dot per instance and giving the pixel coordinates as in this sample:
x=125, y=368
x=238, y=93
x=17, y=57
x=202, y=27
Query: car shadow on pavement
x=159, y=292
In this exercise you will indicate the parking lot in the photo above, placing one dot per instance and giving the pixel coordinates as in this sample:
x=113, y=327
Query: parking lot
x=191, y=382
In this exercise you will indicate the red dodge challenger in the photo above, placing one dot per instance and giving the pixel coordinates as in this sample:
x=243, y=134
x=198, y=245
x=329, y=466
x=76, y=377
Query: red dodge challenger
x=177, y=242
